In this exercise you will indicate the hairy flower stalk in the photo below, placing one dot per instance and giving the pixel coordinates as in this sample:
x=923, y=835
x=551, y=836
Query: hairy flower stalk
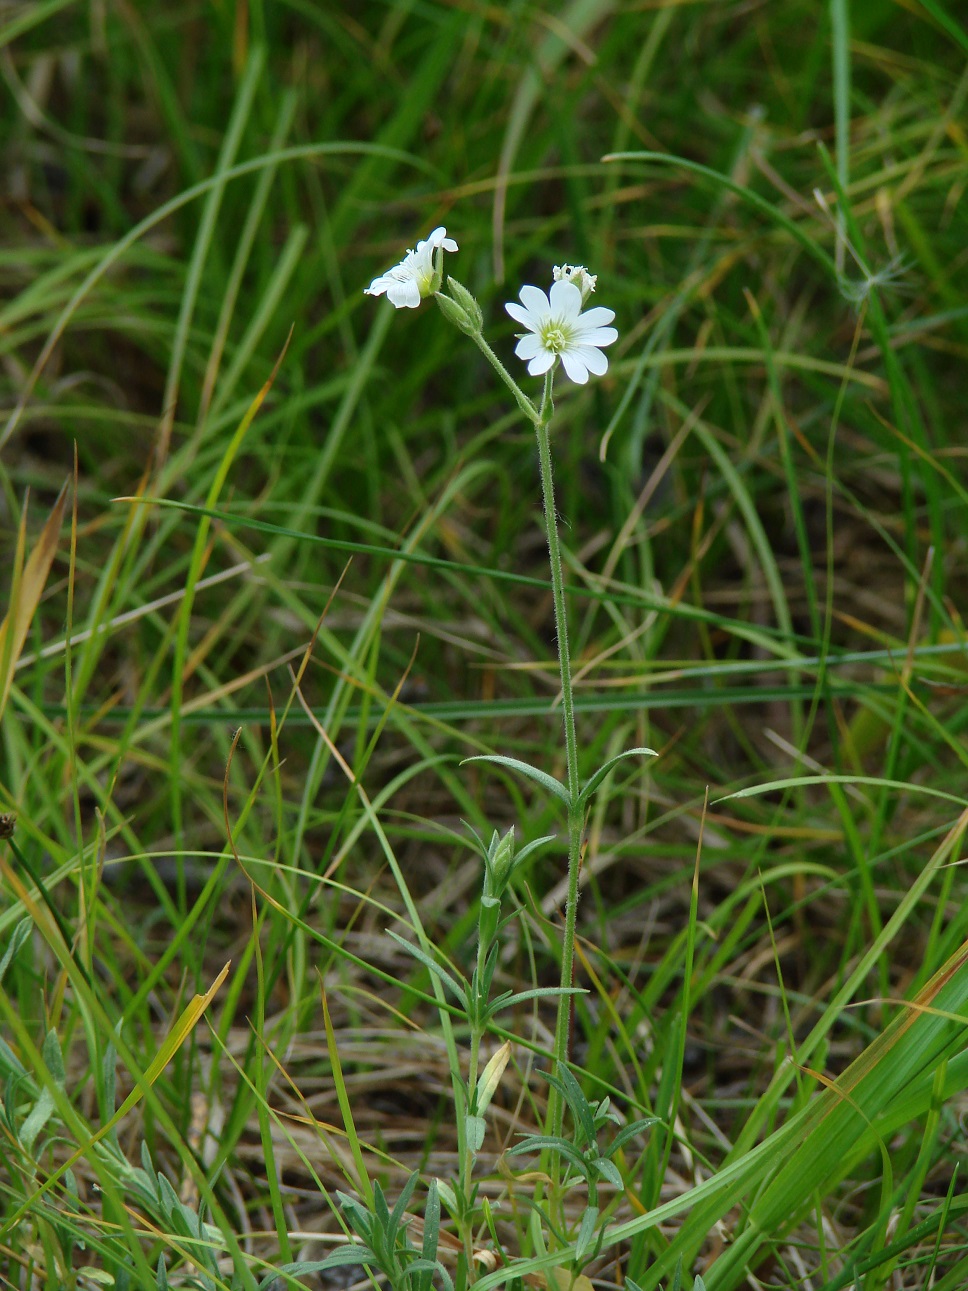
x=576, y=815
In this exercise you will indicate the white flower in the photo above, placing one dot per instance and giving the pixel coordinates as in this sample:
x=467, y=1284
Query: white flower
x=579, y=275
x=419, y=273
x=557, y=329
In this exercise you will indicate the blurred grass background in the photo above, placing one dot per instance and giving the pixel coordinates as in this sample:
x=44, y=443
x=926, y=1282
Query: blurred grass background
x=764, y=514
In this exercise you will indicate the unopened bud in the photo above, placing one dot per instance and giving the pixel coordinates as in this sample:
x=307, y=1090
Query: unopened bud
x=491, y=1077
x=498, y=863
x=467, y=302
x=579, y=275
x=460, y=308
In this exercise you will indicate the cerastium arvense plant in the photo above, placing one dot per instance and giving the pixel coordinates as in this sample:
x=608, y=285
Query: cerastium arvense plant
x=559, y=331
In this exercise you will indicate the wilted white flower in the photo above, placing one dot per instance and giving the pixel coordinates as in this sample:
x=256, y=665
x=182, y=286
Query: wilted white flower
x=418, y=275
x=557, y=329
x=579, y=275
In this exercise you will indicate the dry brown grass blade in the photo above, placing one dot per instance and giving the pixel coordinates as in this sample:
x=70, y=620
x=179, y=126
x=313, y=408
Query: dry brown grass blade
x=26, y=590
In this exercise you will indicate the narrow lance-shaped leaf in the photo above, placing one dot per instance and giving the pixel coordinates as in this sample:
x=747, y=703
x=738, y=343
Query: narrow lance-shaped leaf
x=19, y=936
x=345, y=1106
x=796, y=782
x=403, y=1201
x=574, y=1096
x=603, y=770
x=432, y=966
x=491, y=1077
x=630, y=1131
x=586, y=1233
x=28, y=584
x=526, y=769
x=506, y=1000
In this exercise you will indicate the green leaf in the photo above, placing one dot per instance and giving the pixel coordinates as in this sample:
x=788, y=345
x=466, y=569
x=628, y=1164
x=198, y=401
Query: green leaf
x=432, y=966
x=609, y=1171
x=796, y=782
x=526, y=769
x=350, y=1254
x=43, y=1109
x=561, y=1146
x=20, y=934
x=574, y=1096
x=54, y=1058
x=524, y=852
x=537, y=1143
x=603, y=770
x=475, y=1127
x=403, y=1201
x=536, y=993
x=431, y=1235
x=35, y=1121
x=630, y=1132
x=586, y=1233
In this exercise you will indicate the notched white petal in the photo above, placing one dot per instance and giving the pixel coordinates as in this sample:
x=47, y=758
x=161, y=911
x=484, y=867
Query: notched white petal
x=573, y=365
x=439, y=238
x=535, y=301
x=404, y=295
x=565, y=299
x=597, y=317
x=594, y=360
x=541, y=362
x=599, y=336
x=528, y=346
x=521, y=315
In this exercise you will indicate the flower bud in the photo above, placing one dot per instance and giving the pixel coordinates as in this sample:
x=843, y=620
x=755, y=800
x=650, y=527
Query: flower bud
x=463, y=297
x=579, y=275
x=498, y=863
x=491, y=1077
x=460, y=308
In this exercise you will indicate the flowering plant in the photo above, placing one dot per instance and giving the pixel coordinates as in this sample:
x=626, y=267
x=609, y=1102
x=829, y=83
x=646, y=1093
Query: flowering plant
x=558, y=329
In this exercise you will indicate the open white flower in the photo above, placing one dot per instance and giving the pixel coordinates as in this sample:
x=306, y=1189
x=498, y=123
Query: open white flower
x=418, y=275
x=557, y=329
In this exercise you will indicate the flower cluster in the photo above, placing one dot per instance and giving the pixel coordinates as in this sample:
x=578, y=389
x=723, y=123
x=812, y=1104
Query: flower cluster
x=556, y=326
x=577, y=273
